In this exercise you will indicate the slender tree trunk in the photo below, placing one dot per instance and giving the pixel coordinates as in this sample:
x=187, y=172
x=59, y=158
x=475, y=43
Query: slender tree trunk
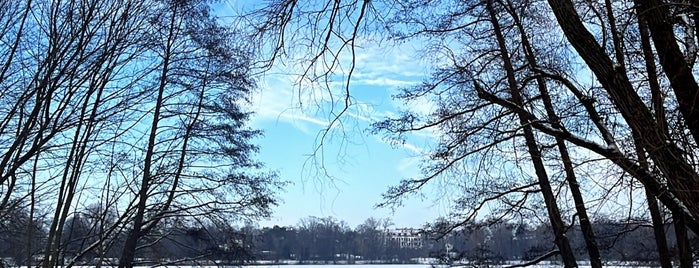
x=32, y=208
x=182, y=159
x=129, y=251
x=75, y=162
x=559, y=228
x=69, y=182
x=15, y=45
x=665, y=258
x=585, y=224
x=684, y=249
x=581, y=210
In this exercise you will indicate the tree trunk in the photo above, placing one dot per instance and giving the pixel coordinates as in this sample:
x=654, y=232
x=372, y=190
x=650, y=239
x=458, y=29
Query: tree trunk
x=684, y=249
x=665, y=258
x=678, y=71
x=581, y=210
x=666, y=155
x=559, y=228
x=129, y=251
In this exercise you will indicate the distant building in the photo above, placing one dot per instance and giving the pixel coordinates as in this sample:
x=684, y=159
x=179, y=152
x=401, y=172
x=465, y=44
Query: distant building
x=405, y=237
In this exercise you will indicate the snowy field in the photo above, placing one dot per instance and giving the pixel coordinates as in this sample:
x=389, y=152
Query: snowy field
x=542, y=265
x=545, y=265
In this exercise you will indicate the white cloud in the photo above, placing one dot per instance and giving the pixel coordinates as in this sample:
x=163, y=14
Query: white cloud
x=385, y=82
x=279, y=100
x=409, y=167
x=410, y=147
x=304, y=104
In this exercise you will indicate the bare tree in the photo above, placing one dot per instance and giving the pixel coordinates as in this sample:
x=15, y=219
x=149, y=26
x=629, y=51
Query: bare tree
x=501, y=77
x=197, y=147
x=96, y=94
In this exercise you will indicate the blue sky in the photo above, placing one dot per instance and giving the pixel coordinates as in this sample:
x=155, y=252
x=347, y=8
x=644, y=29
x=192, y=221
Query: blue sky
x=362, y=166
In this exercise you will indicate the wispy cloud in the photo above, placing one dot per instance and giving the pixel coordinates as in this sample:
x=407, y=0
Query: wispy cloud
x=278, y=101
x=383, y=81
x=392, y=65
x=285, y=98
x=410, y=147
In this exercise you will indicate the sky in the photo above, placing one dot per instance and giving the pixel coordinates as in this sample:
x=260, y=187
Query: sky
x=360, y=165
x=347, y=178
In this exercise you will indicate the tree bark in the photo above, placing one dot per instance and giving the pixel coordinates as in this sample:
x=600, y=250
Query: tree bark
x=658, y=106
x=664, y=256
x=581, y=210
x=684, y=249
x=129, y=251
x=678, y=71
x=667, y=156
x=559, y=228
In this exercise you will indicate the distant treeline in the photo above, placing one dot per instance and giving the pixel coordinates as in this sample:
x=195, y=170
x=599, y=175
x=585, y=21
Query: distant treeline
x=327, y=239
x=330, y=240
x=178, y=240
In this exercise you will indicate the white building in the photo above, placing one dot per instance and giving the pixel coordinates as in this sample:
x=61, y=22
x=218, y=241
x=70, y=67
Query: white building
x=405, y=237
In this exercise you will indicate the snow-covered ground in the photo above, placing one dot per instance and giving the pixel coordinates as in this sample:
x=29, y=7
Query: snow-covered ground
x=545, y=265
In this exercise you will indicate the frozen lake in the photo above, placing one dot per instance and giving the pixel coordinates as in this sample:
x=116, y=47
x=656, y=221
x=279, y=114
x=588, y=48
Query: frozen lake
x=546, y=265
